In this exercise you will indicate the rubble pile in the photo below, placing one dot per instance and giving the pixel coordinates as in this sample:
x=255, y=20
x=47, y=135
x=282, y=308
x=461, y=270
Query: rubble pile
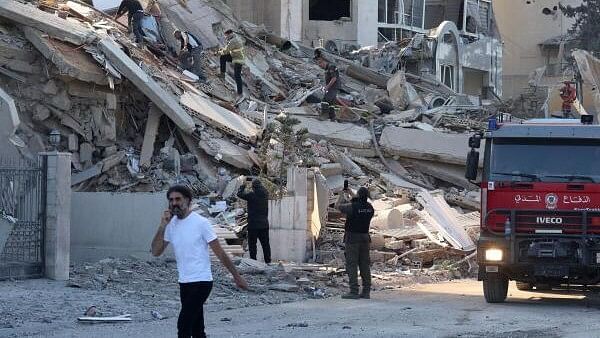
x=135, y=121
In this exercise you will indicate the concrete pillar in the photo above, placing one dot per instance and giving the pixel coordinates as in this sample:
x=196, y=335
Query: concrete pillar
x=58, y=215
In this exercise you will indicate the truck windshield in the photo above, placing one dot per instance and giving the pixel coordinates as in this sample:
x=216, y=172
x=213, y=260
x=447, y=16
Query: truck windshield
x=545, y=160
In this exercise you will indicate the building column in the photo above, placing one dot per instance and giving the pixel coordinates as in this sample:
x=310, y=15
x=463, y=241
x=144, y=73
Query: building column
x=57, y=234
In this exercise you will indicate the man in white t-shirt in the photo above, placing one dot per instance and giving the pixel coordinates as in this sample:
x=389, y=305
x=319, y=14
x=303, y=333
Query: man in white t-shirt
x=191, y=235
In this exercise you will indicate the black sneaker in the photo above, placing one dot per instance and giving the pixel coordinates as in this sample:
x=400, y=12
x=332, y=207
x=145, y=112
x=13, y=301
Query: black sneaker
x=351, y=295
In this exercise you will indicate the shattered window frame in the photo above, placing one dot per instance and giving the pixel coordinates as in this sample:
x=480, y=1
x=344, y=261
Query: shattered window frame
x=475, y=10
x=447, y=75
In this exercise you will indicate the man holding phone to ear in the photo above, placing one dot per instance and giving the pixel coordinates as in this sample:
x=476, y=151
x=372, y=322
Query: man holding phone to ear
x=191, y=235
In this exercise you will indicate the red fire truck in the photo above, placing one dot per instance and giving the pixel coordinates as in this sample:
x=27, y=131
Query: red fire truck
x=540, y=204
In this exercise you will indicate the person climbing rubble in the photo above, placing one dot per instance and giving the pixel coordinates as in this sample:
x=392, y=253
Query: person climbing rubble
x=135, y=15
x=191, y=235
x=258, y=218
x=332, y=84
x=190, y=54
x=233, y=52
x=359, y=213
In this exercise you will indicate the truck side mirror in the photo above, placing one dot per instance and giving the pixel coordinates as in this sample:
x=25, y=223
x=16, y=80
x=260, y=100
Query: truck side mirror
x=475, y=141
x=472, y=165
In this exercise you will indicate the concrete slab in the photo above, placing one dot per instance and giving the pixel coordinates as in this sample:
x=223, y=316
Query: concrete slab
x=199, y=18
x=425, y=145
x=28, y=15
x=221, y=118
x=342, y=134
x=75, y=63
x=450, y=173
x=150, y=136
x=445, y=220
x=165, y=101
x=228, y=152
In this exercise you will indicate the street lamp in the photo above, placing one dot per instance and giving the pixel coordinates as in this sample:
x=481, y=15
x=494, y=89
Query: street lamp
x=54, y=138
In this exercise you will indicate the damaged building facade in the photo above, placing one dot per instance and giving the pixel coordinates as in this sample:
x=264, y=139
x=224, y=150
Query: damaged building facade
x=454, y=41
x=537, y=49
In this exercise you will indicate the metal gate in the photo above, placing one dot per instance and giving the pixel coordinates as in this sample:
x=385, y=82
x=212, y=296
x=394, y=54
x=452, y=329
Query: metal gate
x=22, y=215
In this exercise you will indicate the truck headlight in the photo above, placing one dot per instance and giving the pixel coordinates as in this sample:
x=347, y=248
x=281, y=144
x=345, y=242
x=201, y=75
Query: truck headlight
x=494, y=255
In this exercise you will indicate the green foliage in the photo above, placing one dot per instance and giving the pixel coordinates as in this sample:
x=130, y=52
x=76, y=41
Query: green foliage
x=586, y=28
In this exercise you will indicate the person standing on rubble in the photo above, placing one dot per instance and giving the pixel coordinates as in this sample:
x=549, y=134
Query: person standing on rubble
x=358, y=213
x=190, y=54
x=135, y=15
x=191, y=235
x=568, y=95
x=332, y=83
x=233, y=52
x=258, y=218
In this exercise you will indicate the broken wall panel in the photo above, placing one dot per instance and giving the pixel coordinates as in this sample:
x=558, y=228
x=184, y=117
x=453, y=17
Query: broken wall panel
x=425, y=145
x=66, y=30
x=74, y=63
x=162, y=99
x=342, y=134
x=219, y=117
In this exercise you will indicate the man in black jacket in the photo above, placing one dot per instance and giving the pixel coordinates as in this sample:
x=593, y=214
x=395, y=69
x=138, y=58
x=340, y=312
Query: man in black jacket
x=357, y=240
x=135, y=15
x=258, y=218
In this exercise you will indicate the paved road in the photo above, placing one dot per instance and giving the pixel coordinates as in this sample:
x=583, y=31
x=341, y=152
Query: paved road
x=438, y=310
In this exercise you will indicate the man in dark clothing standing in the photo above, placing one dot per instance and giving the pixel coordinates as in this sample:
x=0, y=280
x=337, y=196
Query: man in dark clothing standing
x=135, y=15
x=258, y=218
x=357, y=240
x=191, y=52
x=332, y=84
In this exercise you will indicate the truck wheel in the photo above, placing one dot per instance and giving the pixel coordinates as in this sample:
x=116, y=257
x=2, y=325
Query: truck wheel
x=524, y=286
x=495, y=289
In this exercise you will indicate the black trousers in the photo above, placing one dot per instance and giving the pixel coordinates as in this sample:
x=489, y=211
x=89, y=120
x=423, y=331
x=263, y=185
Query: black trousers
x=237, y=71
x=191, y=318
x=263, y=236
x=136, y=23
x=358, y=257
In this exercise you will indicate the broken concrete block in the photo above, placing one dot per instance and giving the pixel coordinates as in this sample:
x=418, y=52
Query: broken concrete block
x=164, y=101
x=392, y=244
x=377, y=242
x=50, y=88
x=77, y=64
x=111, y=101
x=108, y=151
x=342, y=134
x=86, y=90
x=348, y=165
x=85, y=175
x=150, y=136
x=21, y=66
x=40, y=112
x=227, y=152
x=61, y=101
x=425, y=145
x=377, y=256
x=221, y=118
x=112, y=161
x=86, y=153
x=73, y=142
x=329, y=169
x=28, y=15
x=104, y=126
x=451, y=173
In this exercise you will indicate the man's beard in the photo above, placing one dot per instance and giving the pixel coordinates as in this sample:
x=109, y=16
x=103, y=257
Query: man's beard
x=177, y=211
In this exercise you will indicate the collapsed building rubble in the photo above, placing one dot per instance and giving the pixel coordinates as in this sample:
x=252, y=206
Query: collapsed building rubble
x=134, y=121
